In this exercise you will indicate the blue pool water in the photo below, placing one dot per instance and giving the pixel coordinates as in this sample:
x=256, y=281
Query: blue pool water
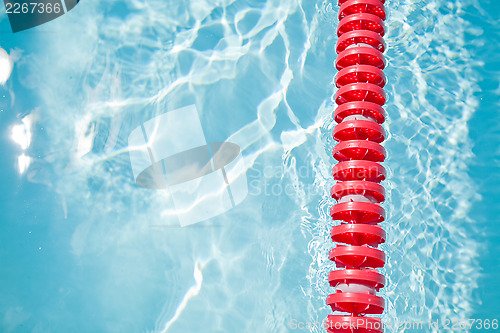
x=84, y=249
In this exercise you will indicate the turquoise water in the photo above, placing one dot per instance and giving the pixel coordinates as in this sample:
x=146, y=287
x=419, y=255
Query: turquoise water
x=84, y=249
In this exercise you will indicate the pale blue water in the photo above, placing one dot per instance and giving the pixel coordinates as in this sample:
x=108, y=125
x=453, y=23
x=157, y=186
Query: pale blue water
x=83, y=249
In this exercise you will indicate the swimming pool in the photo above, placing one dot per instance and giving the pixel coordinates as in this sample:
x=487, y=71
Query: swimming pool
x=84, y=249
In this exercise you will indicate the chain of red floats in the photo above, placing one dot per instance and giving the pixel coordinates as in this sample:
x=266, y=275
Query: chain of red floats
x=358, y=192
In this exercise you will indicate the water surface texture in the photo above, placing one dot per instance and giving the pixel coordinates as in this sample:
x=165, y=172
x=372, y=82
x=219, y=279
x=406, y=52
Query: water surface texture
x=84, y=249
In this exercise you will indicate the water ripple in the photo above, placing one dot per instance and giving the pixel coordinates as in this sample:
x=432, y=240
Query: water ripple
x=261, y=73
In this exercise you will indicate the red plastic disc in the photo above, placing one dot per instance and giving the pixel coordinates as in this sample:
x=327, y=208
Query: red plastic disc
x=359, y=150
x=359, y=187
x=361, y=21
x=358, y=234
x=356, y=303
x=357, y=257
x=359, y=130
x=360, y=55
x=359, y=170
x=361, y=92
x=358, y=212
x=358, y=37
x=353, y=324
x=342, y=1
x=360, y=73
x=366, y=277
x=366, y=109
x=349, y=7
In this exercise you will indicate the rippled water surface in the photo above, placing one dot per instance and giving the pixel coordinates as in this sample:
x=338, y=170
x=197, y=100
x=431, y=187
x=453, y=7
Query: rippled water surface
x=84, y=249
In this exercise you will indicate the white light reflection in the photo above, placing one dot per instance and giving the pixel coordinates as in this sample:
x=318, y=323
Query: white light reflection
x=23, y=162
x=6, y=65
x=21, y=134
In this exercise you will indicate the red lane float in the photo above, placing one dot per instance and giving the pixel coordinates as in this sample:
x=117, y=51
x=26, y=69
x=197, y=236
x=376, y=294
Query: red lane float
x=359, y=170
x=360, y=55
x=350, y=7
x=365, y=109
x=359, y=150
x=361, y=92
x=342, y=1
x=367, y=277
x=357, y=234
x=356, y=303
x=357, y=257
x=349, y=324
x=361, y=21
x=360, y=37
x=360, y=73
x=359, y=115
x=367, y=189
x=358, y=212
x=359, y=130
